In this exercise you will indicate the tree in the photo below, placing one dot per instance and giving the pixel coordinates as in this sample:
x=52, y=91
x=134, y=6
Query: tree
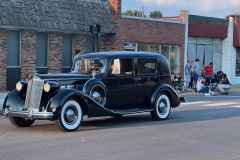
x=155, y=14
x=136, y=13
x=128, y=13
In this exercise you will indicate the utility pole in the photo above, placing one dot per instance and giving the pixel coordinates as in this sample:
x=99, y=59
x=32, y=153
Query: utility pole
x=143, y=11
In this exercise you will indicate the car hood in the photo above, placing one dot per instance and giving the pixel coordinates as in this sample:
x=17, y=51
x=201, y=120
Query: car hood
x=64, y=76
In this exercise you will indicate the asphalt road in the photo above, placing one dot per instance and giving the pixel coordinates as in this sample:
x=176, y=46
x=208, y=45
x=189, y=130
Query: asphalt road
x=202, y=128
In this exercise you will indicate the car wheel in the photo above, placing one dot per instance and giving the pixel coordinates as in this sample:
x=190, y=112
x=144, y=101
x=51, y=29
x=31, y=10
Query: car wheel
x=98, y=93
x=70, y=117
x=20, y=122
x=162, y=107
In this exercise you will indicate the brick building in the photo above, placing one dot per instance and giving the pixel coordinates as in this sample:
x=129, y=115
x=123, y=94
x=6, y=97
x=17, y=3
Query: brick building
x=156, y=35
x=42, y=35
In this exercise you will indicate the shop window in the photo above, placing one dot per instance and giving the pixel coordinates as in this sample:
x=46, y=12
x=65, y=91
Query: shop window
x=238, y=62
x=67, y=52
x=13, y=48
x=154, y=48
x=128, y=46
x=172, y=53
x=42, y=49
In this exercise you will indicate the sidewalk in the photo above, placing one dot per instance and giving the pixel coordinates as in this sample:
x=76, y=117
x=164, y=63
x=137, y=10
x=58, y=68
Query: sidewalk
x=235, y=89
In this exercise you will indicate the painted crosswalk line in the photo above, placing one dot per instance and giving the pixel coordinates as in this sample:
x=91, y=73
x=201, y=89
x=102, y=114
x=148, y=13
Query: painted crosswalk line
x=199, y=102
x=219, y=104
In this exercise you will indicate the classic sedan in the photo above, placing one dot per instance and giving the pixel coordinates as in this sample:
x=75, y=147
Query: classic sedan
x=100, y=84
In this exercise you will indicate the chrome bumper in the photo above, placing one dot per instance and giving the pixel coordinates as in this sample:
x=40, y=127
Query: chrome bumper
x=28, y=114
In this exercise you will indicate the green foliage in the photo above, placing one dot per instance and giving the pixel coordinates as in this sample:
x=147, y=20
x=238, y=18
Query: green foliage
x=173, y=64
x=155, y=14
x=128, y=13
x=136, y=13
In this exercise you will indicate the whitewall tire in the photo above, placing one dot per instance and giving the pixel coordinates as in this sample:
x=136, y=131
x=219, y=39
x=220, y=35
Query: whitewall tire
x=70, y=117
x=162, y=107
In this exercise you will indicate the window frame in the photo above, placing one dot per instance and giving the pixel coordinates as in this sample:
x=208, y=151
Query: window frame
x=156, y=66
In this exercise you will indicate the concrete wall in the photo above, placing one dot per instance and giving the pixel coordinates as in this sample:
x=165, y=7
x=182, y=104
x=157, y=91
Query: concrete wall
x=229, y=55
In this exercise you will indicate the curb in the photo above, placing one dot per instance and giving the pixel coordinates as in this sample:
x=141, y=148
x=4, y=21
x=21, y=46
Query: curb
x=202, y=94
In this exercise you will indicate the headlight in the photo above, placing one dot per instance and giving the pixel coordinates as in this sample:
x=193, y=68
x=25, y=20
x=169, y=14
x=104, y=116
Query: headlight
x=19, y=86
x=51, y=86
x=47, y=87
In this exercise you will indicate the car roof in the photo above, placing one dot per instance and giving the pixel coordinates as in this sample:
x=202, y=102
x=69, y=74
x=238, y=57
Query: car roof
x=119, y=54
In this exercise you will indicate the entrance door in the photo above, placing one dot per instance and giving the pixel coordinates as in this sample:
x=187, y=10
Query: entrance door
x=13, y=59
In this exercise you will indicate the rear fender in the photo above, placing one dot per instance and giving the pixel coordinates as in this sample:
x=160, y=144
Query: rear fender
x=170, y=91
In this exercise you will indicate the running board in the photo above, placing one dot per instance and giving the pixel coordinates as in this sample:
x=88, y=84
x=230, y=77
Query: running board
x=130, y=110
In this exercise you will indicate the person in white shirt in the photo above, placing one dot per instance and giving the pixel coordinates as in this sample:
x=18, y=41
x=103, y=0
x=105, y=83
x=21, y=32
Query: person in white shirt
x=202, y=88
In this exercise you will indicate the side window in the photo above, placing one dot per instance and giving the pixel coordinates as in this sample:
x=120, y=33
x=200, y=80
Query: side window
x=147, y=66
x=122, y=66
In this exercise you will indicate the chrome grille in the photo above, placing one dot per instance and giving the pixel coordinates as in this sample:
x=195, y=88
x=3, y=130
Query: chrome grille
x=34, y=92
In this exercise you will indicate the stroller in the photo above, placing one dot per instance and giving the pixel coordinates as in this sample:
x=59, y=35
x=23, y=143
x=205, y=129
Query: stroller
x=213, y=81
x=178, y=83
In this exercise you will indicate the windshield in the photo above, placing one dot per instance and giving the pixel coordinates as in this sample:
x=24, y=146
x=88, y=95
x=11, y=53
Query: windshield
x=88, y=65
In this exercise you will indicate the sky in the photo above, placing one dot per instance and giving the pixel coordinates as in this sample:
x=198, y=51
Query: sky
x=209, y=8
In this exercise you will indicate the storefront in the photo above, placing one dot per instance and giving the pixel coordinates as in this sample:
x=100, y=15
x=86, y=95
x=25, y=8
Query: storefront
x=206, y=50
x=171, y=52
x=166, y=37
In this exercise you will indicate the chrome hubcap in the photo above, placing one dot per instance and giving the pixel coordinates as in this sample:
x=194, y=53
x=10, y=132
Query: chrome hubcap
x=70, y=115
x=162, y=107
x=97, y=96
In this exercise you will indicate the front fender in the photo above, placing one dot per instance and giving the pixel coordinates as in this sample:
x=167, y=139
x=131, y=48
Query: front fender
x=170, y=91
x=90, y=106
x=13, y=100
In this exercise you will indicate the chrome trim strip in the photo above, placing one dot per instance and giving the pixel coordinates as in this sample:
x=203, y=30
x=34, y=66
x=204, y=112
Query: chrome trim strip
x=28, y=114
x=34, y=92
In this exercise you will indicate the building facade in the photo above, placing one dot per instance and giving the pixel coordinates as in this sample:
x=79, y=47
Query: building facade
x=43, y=35
x=155, y=35
x=215, y=40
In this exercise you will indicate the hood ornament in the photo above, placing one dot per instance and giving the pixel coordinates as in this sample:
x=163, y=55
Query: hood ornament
x=94, y=73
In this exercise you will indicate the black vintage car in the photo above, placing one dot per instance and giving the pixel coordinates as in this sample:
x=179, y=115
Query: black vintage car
x=100, y=84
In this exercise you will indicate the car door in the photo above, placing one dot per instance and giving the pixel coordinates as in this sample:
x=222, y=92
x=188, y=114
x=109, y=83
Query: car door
x=120, y=83
x=147, y=79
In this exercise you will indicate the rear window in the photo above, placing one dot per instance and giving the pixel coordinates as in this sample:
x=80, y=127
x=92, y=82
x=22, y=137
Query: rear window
x=147, y=66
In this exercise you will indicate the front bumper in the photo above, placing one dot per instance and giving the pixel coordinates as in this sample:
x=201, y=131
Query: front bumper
x=28, y=114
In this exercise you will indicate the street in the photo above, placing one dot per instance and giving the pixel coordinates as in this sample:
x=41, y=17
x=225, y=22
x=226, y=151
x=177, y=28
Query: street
x=202, y=128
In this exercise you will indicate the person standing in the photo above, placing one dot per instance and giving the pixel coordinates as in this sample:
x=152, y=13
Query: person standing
x=191, y=84
x=208, y=70
x=187, y=71
x=197, y=73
